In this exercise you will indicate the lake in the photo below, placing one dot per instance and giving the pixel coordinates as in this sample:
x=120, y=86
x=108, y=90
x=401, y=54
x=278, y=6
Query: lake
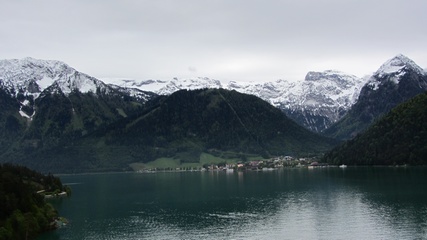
x=323, y=203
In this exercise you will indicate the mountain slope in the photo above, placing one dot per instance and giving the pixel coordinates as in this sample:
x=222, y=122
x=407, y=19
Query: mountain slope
x=47, y=102
x=224, y=119
x=12, y=125
x=400, y=137
x=396, y=81
x=183, y=126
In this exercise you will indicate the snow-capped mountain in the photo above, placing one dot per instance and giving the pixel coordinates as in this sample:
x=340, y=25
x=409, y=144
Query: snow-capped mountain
x=45, y=104
x=27, y=79
x=316, y=102
x=396, y=81
x=31, y=76
x=321, y=99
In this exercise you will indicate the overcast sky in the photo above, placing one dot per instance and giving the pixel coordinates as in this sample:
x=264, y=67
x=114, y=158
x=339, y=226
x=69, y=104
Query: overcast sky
x=240, y=40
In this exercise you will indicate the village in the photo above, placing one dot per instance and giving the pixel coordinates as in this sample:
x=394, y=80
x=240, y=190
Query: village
x=255, y=165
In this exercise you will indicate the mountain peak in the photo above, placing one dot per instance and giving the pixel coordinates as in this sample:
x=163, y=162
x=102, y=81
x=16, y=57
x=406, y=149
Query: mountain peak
x=18, y=73
x=396, y=66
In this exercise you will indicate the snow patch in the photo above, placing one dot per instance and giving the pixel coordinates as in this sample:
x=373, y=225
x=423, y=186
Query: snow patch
x=23, y=114
x=45, y=82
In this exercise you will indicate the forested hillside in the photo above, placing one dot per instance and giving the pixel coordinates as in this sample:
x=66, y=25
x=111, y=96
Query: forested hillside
x=182, y=126
x=12, y=126
x=59, y=120
x=23, y=212
x=400, y=137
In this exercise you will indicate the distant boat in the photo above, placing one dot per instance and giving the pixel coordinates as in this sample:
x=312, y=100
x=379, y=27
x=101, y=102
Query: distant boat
x=343, y=166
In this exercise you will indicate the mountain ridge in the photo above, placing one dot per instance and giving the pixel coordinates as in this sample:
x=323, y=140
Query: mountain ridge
x=317, y=102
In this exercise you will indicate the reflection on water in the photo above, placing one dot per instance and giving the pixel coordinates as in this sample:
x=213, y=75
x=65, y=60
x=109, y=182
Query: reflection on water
x=352, y=203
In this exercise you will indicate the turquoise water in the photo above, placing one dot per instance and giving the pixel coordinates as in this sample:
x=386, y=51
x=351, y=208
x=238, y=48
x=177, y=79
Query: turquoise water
x=328, y=203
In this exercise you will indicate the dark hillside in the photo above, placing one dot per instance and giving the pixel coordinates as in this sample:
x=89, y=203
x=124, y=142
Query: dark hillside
x=12, y=125
x=23, y=212
x=400, y=137
x=183, y=126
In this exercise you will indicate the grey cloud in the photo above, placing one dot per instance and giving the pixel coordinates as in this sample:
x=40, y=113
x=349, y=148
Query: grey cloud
x=234, y=40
